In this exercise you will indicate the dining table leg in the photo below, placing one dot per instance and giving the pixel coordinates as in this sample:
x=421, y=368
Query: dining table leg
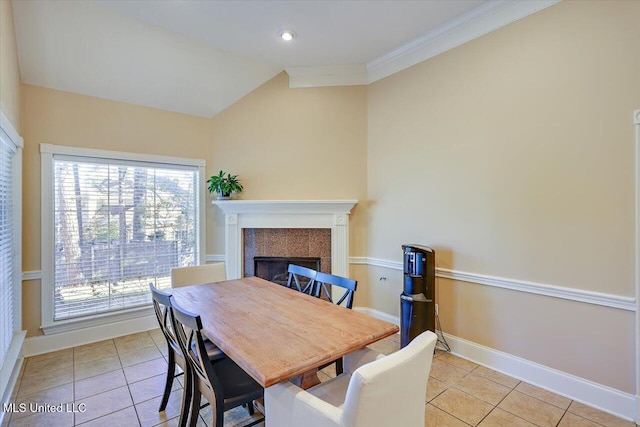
x=307, y=380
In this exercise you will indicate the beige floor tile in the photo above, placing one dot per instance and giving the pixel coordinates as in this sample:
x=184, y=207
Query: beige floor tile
x=52, y=396
x=500, y=418
x=544, y=395
x=597, y=416
x=103, y=404
x=439, y=352
x=145, y=370
x=323, y=377
x=446, y=372
x=129, y=346
x=125, y=417
x=148, y=411
x=237, y=416
x=48, y=419
x=573, y=420
x=463, y=406
x=48, y=379
x=385, y=346
x=89, y=346
x=531, y=409
x=38, y=367
x=330, y=370
x=150, y=388
x=494, y=376
x=99, y=384
x=94, y=352
x=58, y=355
x=132, y=337
x=434, y=388
x=458, y=361
x=483, y=389
x=436, y=417
x=140, y=355
x=97, y=367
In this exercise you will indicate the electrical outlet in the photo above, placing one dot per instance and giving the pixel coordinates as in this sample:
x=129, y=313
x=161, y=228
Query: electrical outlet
x=436, y=309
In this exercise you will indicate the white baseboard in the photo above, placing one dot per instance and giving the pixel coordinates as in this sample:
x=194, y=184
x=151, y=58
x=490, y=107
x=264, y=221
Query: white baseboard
x=47, y=343
x=607, y=399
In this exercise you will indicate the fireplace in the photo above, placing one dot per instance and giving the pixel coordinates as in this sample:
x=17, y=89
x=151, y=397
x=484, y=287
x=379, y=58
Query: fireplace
x=274, y=269
x=330, y=216
x=295, y=243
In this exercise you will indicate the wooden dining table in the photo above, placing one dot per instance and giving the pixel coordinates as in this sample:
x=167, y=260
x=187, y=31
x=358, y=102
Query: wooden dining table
x=275, y=333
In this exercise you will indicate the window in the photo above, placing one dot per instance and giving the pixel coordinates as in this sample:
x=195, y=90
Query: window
x=115, y=223
x=10, y=249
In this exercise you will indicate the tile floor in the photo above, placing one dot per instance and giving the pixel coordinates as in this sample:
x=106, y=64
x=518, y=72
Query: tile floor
x=120, y=382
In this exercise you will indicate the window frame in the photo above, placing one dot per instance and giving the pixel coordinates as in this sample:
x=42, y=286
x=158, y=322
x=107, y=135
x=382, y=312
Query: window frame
x=10, y=136
x=47, y=154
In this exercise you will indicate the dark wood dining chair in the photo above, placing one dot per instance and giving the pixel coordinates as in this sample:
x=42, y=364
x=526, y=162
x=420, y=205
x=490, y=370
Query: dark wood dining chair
x=301, y=279
x=222, y=382
x=329, y=285
x=162, y=307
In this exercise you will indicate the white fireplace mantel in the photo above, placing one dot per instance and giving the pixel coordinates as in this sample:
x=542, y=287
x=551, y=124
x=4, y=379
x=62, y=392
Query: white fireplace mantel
x=333, y=214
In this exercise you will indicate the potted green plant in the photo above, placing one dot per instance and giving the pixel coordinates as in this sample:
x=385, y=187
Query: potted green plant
x=224, y=184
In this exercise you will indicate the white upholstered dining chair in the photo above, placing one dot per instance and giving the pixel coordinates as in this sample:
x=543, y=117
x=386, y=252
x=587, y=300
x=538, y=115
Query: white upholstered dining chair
x=198, y=274
x=375, y=390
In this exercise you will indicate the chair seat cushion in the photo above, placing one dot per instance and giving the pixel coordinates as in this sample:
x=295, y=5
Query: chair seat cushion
x=332, y=391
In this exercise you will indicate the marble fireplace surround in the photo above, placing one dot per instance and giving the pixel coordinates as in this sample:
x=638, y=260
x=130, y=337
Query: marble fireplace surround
x=240, y=214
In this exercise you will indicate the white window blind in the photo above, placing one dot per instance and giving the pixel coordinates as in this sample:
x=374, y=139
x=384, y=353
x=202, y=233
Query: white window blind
x=118, y=225
x=10, y=249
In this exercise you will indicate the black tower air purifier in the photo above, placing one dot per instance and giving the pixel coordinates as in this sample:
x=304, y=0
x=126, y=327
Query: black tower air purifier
x=417, y=302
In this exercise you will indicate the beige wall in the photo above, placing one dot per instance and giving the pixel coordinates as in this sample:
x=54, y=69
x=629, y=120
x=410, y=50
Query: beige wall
x=512, y=156
x=294, y=144
x=62, y=118
x=297, y=137
x=9, y=71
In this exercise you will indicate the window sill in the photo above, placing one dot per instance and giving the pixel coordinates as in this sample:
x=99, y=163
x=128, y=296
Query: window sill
x=96, y=320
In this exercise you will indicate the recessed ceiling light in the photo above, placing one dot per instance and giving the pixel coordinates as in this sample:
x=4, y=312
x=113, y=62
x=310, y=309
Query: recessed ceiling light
x=287, y=35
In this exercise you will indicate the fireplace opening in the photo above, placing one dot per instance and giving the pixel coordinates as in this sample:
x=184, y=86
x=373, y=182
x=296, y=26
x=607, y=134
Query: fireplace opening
x=275, y=269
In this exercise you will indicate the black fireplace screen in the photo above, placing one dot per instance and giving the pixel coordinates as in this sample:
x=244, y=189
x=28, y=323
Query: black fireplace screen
x=274, y=269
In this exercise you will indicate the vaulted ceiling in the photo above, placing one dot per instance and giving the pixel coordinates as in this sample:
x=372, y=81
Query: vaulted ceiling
x=198, y=57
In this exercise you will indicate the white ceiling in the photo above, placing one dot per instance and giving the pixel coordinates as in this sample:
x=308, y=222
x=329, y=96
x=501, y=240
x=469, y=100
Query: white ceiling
x=198, y=57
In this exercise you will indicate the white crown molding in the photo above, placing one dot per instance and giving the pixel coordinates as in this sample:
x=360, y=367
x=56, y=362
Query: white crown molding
x=596, y=395
x=480, y=21
x=333, y=75
x=579, y=295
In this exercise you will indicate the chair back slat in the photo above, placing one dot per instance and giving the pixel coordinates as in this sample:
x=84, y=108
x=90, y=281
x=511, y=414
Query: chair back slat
x=298, y=271
x=349, y=286
x=162, y=307
x=188, y=327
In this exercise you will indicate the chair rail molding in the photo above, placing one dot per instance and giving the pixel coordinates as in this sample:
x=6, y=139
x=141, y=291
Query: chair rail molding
x=579, y=295
x=239, y=214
